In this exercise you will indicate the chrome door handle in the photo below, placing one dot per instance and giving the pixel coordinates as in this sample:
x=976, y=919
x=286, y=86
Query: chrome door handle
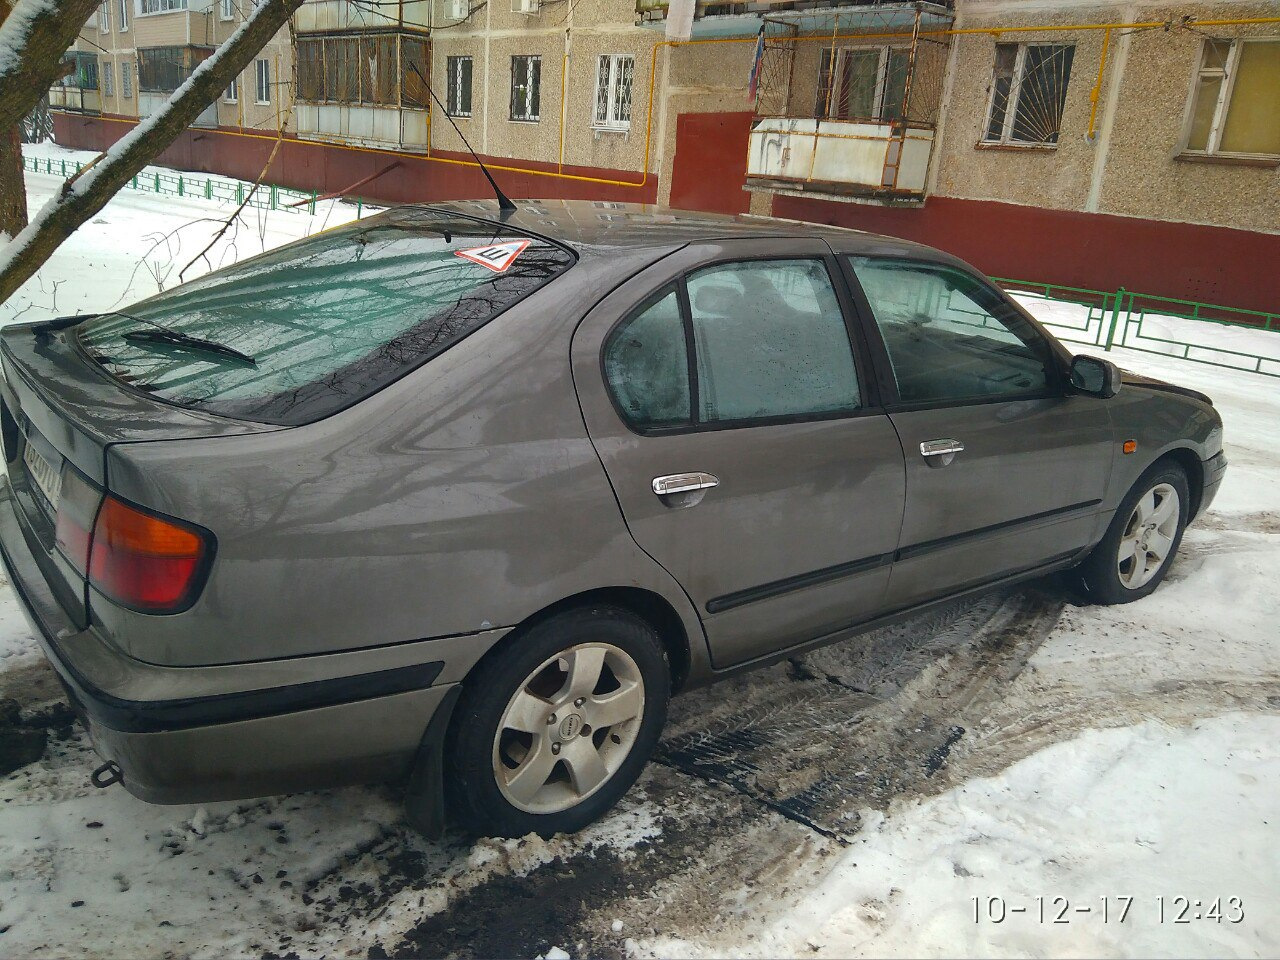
x=940, y=448
x=940, y=453
x=683, y=483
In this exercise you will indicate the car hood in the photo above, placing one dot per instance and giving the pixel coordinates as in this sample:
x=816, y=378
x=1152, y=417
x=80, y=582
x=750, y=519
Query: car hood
x=1151, y=383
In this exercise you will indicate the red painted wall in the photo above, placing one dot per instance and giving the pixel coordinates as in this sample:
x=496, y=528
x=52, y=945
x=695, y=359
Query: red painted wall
x=309, y=165
x=1234, y=268
x=710, y=164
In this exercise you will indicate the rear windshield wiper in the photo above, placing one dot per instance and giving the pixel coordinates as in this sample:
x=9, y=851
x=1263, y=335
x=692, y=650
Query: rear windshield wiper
x=161, y=335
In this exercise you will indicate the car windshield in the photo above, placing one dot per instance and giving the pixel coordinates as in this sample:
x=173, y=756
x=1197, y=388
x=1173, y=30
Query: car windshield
x=326, y=321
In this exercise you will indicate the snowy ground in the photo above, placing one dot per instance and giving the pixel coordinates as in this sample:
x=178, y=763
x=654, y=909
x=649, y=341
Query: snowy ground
x=1018, y=748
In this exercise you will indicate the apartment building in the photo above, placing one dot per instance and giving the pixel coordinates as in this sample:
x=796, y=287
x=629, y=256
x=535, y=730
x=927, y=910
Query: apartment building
x=1098, y=143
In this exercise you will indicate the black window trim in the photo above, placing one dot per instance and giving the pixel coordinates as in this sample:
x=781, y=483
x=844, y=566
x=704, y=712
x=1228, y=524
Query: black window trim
x=1057, y=385
x=864, y=369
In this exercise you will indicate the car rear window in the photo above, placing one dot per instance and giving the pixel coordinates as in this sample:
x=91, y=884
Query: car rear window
x=327, y=321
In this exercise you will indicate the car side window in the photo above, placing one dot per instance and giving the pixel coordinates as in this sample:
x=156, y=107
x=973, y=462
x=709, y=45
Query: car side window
x=950, y=337
x=770, y=341
x=646, y=365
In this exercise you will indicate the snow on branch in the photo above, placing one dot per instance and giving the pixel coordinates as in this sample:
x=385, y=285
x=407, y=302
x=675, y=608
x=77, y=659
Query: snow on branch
x=82, y=197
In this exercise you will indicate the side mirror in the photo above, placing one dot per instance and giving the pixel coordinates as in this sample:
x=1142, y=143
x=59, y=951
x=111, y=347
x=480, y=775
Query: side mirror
x=1095, y=377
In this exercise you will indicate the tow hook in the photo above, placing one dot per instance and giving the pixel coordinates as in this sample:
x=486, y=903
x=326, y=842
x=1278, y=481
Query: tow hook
x=107, y=775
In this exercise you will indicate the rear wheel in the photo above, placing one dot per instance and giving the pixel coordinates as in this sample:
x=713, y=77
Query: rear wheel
x=552, y=731
x=1140, y=544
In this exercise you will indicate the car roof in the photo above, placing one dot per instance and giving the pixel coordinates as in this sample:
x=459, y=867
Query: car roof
x=600, y=225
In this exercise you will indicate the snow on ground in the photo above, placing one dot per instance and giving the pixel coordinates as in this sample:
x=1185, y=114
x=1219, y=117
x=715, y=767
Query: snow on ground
x=1136, y=755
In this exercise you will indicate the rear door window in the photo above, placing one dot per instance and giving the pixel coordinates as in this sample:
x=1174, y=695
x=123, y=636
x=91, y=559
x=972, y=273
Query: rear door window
x=326, y=321
x=769, y=342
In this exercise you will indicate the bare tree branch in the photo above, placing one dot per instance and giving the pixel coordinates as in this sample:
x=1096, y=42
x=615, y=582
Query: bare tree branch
x=33, y=38
x=77, y=202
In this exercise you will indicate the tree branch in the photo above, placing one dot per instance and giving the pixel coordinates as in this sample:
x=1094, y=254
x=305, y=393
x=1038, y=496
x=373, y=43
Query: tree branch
x=33, y=38
x=77, y=202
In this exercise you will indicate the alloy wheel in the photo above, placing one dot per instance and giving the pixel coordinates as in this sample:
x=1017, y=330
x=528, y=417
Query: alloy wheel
x=1148, y=536
x=568, y=728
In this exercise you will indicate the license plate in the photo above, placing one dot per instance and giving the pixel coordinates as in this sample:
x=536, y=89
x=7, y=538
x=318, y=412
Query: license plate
x=48, y=479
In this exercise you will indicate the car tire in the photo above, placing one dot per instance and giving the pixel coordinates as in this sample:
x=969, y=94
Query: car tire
x=550, y=732
x=1139, y=546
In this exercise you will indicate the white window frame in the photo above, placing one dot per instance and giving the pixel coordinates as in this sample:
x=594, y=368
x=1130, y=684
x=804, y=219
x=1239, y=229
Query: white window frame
x=227, y=9
x=526, y=114
x=261, y=72
x=107, y=78
x=104, y=17
x=232, y=93
x=1220, y=110
x=160, y=7
x=126, y=79
x=123, y=19
x=610, y=120
x=454, y=92
x=1011, y=103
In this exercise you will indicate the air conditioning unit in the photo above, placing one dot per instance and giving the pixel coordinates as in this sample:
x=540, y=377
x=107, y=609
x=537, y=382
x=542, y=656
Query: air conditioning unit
x=453, y=11
x=524, y=6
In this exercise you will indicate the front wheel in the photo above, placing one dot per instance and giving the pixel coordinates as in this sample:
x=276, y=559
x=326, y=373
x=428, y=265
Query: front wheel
x=555, y=728
x=1140, y=544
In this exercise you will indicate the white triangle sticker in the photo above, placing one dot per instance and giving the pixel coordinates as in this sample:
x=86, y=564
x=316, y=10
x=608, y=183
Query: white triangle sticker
x=497, y=256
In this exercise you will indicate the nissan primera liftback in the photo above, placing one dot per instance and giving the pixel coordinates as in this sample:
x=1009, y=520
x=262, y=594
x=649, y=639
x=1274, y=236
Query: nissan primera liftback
x=460, y=499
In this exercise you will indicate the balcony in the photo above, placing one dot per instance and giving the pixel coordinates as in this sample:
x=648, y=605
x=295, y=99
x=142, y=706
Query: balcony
x=77, y=89
x=162, y=70
x=715, y=18
x=888, y=162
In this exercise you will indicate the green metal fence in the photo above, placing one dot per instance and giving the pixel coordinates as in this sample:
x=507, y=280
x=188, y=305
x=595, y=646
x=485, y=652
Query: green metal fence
x=1203, y=332
x=175, y=184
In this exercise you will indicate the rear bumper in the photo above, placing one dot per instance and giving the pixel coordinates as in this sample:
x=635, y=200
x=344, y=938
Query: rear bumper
x=196, y=734
x=1214, y=469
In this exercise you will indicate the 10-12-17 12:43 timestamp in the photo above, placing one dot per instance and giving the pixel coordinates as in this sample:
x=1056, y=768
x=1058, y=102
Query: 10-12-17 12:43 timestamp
x=1108, y=909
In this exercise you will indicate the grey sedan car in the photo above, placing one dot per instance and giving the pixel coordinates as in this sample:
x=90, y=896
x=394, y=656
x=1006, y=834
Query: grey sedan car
x=460, y=498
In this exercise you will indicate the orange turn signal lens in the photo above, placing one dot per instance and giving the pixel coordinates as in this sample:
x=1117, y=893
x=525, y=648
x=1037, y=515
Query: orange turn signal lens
x=1130, y=446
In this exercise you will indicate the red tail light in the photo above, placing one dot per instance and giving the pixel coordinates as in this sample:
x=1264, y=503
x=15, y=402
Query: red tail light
x=140, y=559
x=146, y=561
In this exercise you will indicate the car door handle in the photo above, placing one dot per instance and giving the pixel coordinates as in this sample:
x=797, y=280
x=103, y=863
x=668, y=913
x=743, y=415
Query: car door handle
x=940, y=453
x=940, y=448
x=683, y=483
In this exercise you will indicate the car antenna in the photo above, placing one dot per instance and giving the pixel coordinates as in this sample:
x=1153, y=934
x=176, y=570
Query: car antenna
x=504, y=202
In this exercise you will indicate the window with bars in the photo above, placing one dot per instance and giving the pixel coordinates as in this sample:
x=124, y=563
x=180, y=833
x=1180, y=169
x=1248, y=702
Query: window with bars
x=126, y=80
x=122, y=23
x=161, y=6
x=164, y=69
x=1235, y=100
x=363, y=68
x=458, y=101
x=869, y=83
x=526, y=83
x=262, y=72
x=1028, y=93
x=108, y=79
x=614, y=75
x=233, y=91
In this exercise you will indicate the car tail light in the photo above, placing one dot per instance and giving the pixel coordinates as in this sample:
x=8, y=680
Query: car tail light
x=139, y=558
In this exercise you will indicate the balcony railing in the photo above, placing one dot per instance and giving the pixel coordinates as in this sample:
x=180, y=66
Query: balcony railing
x=887, y=161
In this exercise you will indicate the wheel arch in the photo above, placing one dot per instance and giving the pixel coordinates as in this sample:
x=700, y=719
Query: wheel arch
x=1189, y=461
x=649, y=606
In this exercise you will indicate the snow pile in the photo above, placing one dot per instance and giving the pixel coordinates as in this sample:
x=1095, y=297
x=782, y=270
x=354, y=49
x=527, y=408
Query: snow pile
x=1132, y=815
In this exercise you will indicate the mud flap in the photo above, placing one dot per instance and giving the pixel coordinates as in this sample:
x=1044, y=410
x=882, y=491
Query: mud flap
x=424, y=797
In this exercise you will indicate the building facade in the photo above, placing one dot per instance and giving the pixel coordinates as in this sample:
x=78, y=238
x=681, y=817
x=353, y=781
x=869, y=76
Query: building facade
x=1093, y=143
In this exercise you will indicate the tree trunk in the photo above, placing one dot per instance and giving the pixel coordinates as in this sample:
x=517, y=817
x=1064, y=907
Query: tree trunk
x=84, y=195
x=13, y=187
x=34, y=36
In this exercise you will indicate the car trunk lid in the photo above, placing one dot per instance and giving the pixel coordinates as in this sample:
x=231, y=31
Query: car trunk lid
x=61, y=408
